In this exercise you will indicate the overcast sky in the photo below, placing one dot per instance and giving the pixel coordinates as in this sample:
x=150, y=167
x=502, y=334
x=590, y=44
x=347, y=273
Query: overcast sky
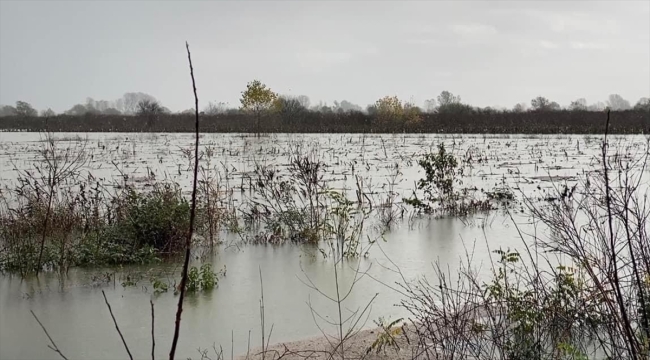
x=55, y=54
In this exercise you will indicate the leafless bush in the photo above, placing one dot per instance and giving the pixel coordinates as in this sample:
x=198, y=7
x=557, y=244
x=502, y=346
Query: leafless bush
x=288, y=206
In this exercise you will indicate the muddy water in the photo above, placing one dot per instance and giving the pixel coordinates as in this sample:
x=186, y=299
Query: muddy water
x=73, y=310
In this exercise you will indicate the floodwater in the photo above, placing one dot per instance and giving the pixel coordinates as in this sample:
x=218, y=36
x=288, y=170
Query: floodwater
x=72, y=308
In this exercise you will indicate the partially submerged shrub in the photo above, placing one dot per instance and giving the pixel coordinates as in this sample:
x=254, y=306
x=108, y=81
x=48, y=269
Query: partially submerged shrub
x=439, y=193
x=299, y=207
x=345, y=225
x=203, y=278
x=441, y=170
x=109, y=247
x=288, y=206
x=136, y=226
x=215, y=208
x=158, y=219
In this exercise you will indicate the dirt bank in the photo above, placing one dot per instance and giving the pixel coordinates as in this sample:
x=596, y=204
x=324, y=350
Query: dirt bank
x=355, y=347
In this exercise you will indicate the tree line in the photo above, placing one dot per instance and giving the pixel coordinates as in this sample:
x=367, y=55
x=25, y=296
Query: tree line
x=131, y=103
x=402, y=121
x=260, y=100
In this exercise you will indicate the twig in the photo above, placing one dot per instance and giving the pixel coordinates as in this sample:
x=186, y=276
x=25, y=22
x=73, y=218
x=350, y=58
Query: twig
x=51, y=183
x=188, y=243
x=53, y=346
x=262, y=313
x=338, y=303
x=618, y=293
x=153, y=338
x=116, y=326
x=269, y=338
x=248, y=349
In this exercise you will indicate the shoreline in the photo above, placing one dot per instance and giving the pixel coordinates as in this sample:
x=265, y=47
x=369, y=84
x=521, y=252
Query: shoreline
x=356, y=347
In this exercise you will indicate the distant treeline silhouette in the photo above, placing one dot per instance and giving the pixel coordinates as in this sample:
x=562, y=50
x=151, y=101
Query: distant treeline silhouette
x=531, y=122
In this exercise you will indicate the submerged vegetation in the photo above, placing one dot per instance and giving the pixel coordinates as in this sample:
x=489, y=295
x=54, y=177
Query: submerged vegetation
x=58, y=214
x=578, y=291
x=442, y=175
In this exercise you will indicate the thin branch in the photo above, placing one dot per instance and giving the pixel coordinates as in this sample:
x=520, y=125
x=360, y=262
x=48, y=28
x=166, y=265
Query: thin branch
x=262, y=312
x=53, y=346
x=153, y=338
x=116, y=326
x=188, y=242
x=627, y=328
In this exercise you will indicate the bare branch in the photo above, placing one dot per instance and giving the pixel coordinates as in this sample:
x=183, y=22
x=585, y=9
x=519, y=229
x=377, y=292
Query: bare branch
x=188, y=243
x=116, y=326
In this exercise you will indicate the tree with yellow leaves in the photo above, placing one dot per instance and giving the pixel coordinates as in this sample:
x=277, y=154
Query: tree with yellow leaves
x=257, y=99
x=392, y=109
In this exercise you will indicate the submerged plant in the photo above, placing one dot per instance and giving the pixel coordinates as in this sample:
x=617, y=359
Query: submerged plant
x=288, y=206
x=440, y=196
x=441, y=170
x=202, y=278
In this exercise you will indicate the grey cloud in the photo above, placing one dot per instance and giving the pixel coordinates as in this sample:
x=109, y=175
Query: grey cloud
x=55, y=54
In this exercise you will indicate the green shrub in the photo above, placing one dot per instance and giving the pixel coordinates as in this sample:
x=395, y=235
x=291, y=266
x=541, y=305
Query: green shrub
x=136, y=227
x=159, y=286
x=203, y=278
x=159, y=219
x=109, y=248
x=441, y=171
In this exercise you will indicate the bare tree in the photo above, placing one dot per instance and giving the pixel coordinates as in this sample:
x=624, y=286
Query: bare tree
x=430, y=106
x=77, y=110
x=598, y=106
x=25, y=109
x=111, y=111
x=303, y=100
x=48, y=113
x=7, y=110
x=446, y=98
x=519, y=108
x=148, y=107
x=643, y=104
x=214, y=108
x=103, y=105
x=450, y=103
x=98, y=106
x=290, y=109
x=128, y=104
x=323, y=107
x=541, y=103
x=578, y=105
x=344, y=107
x=617, y=103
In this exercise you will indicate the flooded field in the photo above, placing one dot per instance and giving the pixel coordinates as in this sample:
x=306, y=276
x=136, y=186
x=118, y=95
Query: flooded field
x=526, y=162
x=371, y=170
